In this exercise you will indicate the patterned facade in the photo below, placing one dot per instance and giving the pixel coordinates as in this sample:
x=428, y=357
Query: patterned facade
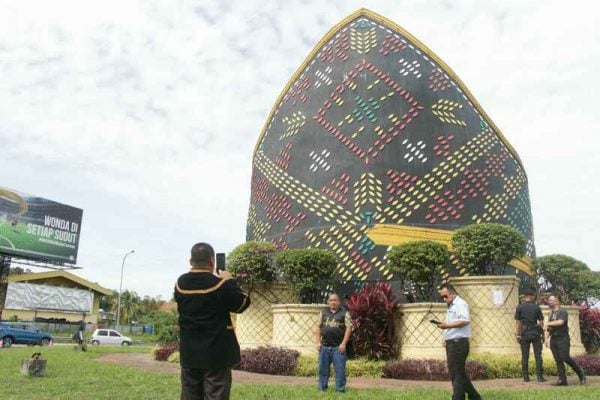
x=374, y=131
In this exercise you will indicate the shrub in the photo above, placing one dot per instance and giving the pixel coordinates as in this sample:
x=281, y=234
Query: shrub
x=163, y=351
x=165, y=325
x=418, y=265
x=430, y=370
x=268, y=360
x=568, y=277
x=372, y=312
x=589, y=363
x=174, y=358
x=252, y=263
x=485, y=249
x=308, y=366
x=307, y=271
x=500, y=367
x=589, y=320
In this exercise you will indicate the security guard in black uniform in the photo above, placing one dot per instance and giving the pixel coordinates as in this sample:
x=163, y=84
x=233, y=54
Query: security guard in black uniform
x=560, y=342
x=530, y=332
x=208, y=347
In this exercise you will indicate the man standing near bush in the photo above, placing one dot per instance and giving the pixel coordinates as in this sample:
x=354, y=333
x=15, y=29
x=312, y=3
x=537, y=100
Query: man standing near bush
x=208, y=347
x=457, y=332
x=560, y=342
x=333, y=333
x=529, y=331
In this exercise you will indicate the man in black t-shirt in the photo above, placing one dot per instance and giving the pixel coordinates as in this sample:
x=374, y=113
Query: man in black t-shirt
x=333, y=333
x=560, y=342
x=529, y=331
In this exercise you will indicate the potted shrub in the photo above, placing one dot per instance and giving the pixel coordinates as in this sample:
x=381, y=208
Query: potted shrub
x=486, y=249
x=252, y=263
x=418, y=265
x=307, y=271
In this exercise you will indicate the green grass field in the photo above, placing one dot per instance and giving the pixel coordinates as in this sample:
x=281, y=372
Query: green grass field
x=76, y=375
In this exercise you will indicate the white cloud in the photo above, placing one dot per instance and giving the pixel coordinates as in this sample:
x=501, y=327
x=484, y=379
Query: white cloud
x=146, y=113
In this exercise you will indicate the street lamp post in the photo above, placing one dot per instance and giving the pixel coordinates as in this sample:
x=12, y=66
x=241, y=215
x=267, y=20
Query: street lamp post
x=121, y=287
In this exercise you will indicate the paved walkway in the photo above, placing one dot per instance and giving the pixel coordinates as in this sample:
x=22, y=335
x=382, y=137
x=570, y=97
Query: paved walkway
x=145, y=362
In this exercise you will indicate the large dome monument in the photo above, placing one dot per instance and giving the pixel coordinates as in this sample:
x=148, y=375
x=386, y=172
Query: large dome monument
x=373, y=142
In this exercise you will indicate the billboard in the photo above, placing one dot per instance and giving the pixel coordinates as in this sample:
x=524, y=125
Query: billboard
x=37, y=228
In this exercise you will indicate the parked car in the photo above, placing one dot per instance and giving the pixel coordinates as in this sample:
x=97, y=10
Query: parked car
x=109, y=336
x=22, y=334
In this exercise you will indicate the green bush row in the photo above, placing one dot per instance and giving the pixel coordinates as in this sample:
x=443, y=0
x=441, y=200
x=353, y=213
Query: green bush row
x=498, y=366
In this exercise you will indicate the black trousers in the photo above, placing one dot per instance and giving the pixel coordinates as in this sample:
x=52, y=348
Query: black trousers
x=527, y=341
x=205, y=384
x=561, y=350
x=456, y=354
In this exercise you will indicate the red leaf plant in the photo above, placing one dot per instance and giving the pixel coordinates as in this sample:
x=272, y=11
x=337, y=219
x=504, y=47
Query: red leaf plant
x=372, y=311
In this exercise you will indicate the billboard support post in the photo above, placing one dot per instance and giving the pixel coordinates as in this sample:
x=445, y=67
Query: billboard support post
x=4, y=271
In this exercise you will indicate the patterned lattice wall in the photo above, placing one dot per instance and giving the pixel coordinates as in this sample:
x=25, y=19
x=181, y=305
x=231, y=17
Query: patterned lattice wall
x=254, y=327
x=492, y=301
x=294, y=326
x=375, y=129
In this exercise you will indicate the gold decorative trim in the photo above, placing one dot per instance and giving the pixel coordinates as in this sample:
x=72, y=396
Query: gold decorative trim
x=393, y=235
x=200, y=291
x=200, y=271
x=363, y=12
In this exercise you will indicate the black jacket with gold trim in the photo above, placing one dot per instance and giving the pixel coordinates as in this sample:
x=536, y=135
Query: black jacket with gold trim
x=206, y=338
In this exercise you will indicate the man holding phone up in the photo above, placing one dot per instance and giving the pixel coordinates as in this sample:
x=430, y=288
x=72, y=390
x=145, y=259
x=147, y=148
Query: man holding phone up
x=457, y=332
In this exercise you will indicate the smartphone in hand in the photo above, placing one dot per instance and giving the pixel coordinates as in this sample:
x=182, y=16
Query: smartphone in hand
x=435, y=321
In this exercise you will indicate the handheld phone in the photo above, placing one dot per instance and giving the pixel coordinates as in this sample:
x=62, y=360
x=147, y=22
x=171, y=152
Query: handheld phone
x=435, y=321
x=220, y=262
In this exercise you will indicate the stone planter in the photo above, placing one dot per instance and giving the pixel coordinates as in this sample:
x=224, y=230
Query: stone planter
x=294, y=326
x=492, y=302
x=254, y=327
x=417, y=337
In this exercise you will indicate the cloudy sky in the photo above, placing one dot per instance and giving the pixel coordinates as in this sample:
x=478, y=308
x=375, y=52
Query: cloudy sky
x=145, y=113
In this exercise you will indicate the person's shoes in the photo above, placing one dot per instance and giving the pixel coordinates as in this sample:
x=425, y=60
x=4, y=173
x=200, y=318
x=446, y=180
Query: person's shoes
x=526, y=379
x=560, y=383
x=541, y=379
x=582, y=380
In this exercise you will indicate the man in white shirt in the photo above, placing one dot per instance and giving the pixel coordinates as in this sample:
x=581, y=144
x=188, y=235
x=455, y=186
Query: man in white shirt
x=457, y=332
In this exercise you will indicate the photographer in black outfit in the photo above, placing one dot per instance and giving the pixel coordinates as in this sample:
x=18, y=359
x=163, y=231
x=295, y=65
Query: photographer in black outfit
x=530, y=332
x=207, y=342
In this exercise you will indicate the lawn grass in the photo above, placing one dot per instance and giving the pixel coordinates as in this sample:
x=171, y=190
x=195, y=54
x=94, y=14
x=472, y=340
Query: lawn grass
x=76, y=375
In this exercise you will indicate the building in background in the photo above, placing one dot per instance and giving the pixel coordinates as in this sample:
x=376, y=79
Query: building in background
x=56, y=296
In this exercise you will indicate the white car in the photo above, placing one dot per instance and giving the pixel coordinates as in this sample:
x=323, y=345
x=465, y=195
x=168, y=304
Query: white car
x=109, y=336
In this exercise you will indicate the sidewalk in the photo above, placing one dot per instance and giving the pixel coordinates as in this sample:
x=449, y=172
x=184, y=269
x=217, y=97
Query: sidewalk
x=145, y=362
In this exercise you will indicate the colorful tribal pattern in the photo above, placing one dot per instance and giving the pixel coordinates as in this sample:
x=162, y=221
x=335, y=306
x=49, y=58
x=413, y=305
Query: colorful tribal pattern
x=375, y=129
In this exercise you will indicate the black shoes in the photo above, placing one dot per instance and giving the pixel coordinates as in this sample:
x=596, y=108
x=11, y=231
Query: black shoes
x=541, y=379
x=582, y=380
x=526, y=379
x=560, y=383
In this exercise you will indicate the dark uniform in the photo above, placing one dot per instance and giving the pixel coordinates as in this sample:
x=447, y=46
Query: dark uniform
x=560, y=344
x=208, y=347
x=529, y=313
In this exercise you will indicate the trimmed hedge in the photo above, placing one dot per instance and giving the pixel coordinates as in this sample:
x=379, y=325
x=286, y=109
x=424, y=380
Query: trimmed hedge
x=308, y=366
x=269, y=360
x=163, y=351
x=281, y=361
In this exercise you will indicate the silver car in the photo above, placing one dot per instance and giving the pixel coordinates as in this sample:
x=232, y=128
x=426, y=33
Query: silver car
x=109, y=336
